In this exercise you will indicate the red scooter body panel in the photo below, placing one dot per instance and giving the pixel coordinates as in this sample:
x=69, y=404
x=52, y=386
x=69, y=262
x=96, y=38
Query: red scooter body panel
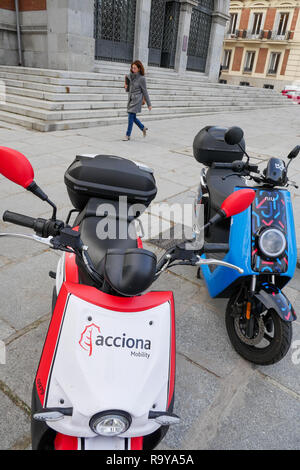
x=98, y=298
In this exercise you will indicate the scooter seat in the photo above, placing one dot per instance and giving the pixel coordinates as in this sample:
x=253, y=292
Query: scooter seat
x=97, y=247
x=102, y=227
x=219, y=189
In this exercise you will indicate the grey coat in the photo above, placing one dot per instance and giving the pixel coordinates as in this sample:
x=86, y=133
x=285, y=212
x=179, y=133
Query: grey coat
x=137, y=89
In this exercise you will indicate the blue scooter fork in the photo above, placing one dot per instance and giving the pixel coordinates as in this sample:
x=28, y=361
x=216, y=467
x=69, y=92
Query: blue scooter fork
x=249, y=318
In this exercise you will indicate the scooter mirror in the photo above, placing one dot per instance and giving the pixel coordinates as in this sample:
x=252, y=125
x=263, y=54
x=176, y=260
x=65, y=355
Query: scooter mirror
x=238, y=202
x=234, y=135
x=294, y=153
x=16, y=167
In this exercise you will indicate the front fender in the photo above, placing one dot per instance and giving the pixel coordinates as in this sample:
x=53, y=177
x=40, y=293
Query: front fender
x=272, y=297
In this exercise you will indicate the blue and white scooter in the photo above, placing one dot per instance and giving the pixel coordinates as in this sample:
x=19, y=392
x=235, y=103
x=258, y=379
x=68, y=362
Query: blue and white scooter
x=261, y=240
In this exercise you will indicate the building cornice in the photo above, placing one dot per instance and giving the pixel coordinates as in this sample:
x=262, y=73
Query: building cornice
x=264, y=4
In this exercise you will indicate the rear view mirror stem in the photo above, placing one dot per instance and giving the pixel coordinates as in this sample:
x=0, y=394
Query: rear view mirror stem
x=37, y=191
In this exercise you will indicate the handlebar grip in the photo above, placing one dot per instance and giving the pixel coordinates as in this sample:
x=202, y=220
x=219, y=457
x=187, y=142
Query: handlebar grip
x=222, y=165
x=215, y=247
x=19, y=219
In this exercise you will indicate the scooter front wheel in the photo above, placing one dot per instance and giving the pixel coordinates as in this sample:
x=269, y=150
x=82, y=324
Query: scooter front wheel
x=271, y=338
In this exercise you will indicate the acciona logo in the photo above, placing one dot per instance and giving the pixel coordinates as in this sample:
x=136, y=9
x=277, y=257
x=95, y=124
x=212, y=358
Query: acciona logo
x=90, y=337
x=139, y=347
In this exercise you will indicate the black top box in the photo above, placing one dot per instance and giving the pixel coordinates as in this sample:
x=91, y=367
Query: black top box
x=209, y=146
x=109, y=177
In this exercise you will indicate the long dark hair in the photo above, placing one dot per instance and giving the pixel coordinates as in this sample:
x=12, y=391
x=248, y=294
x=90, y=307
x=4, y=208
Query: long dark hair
x=139, y=65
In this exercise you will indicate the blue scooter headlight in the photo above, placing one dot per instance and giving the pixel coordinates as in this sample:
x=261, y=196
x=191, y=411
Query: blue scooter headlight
x=272, y=242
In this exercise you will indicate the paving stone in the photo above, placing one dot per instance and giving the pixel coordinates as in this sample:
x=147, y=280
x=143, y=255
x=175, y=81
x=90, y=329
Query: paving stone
x=194, y=392
x=3, y=260
x=14, y=422
x=184, y=292
x=201, y=335
x=28, y=290
x=287, y=371
x=178, y=209
x=264, y=418
x=22, y=360
x=5, y=330
x=14, y=249
x=167, y=189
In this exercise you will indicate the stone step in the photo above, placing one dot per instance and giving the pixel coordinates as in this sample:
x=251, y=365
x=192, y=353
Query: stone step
x=49, y=72
x=24, y=121
x=110, y=112
x=115, y=101
x=157, y=74
x=48, y=100
x=97, y=81
x=92, y=95
x=110, y=73
x=117, y=67
x=64, y=96
x=98, y=85
x=39, y=125
x=66, y=78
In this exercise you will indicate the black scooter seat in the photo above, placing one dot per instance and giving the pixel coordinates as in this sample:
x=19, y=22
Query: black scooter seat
x=103, y=226
x=219, y=189
x=97, y=247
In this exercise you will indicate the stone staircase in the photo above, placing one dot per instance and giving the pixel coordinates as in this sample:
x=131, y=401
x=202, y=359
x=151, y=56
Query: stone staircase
x=51, y=100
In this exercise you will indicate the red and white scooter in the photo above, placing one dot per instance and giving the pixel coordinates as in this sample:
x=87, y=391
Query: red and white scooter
x=106, y=375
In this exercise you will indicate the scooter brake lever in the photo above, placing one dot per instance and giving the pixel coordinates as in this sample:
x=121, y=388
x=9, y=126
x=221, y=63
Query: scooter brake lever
x=204, y=261
x=243, y=173
x=35, y=238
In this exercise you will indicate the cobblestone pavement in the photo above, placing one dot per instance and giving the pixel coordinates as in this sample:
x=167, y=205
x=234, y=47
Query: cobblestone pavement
x=224, y=401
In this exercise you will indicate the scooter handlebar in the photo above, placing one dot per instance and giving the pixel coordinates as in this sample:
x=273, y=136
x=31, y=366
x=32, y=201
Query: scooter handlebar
x=19, y=219
x=225, y=166
x=237, y=166
x=43, y=228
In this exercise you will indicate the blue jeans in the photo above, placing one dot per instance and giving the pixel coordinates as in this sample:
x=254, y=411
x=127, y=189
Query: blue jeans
x=133, y=119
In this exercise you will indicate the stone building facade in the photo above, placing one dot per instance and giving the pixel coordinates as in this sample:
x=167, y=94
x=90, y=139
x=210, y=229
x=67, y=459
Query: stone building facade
x=75, y=34
x=262, y=43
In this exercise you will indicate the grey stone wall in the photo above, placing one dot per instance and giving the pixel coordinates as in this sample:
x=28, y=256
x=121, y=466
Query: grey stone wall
x=62, y=37
x=8, y=38
x=33, y=38
x=219, y=20
x=71, y=43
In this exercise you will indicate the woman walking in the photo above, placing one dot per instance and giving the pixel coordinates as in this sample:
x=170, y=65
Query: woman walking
x=137, y=89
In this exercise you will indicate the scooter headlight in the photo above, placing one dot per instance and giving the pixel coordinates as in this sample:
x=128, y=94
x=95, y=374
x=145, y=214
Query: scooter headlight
x=272, y=242
x=110, y=423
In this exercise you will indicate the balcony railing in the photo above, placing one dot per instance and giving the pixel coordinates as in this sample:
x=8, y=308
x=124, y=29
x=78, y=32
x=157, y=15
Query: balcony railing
x=247, y=34
x=273, y=35
x=230, y=35
x=259, y=35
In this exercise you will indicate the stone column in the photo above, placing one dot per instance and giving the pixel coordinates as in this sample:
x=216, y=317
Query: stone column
x=186, y=8
x=71, y=43
x=219, y=20
x=142, y=26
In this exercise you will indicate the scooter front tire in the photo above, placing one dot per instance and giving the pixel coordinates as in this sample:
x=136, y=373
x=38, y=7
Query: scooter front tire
x=271, y=354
